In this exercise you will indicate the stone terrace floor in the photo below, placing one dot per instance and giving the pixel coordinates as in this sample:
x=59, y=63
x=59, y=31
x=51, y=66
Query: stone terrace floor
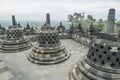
x=22, y=69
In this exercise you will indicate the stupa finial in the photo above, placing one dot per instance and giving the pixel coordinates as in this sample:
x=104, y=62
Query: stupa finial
x=13, y=20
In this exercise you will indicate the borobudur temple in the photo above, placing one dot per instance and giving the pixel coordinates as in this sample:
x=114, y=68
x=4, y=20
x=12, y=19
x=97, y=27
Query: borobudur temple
x=48, y=50
x=14, y=41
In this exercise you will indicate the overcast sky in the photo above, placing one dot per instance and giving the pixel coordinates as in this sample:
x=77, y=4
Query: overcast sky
x=58, y=9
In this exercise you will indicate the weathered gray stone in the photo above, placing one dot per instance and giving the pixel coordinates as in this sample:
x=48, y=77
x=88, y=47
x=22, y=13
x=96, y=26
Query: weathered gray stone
x=101, y=62
x=14, y=40
x=48, y=23
x=13, y=21
x=61, y=28
x=110, y=21
x=5, y=74
x=49, y=49
x=22, y=69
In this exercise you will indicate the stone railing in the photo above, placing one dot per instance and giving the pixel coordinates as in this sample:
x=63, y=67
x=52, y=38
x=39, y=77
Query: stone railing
x=81, y=39
x=64, y=35
x=33, y=38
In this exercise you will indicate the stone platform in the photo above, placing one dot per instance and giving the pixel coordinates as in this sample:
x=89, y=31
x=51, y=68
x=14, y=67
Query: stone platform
x=22, y=69
x=5, y=74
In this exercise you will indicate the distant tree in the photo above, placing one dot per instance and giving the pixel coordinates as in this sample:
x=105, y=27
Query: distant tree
x=90, y=17
x=117, y=28
x=78, y=18
x=36, y=28
x=75, y=19
x=88, y=21
x=118, y=23
x=100, y=21
x=70, y=18
x=87, y=24
x=99, y=25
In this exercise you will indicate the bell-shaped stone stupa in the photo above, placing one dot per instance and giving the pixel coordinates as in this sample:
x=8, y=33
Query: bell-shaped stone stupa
x=48, y=49
x=102, y=61
x=14, y=41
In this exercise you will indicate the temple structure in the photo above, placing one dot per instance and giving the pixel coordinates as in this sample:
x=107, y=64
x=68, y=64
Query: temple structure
x=48, y=49
x=28, y=30
x=110, y=21
x=103, y=59
x=98, y=53
x=91, y=29
x=61, y=28
x=14, y=40
x=79, y=28
x=2, y=30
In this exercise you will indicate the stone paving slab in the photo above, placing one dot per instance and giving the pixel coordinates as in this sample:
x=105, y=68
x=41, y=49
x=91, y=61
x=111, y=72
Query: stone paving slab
x=5, y=74
x=23, y=69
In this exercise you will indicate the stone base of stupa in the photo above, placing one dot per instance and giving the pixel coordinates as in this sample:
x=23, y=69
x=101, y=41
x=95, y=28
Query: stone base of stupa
x=47, y=55
x=10, y=46
x=87, y=70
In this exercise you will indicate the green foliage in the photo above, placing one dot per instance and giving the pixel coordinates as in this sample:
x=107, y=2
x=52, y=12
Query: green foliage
x=99, y=26
x=118, y=29
x=70, y=17
x=90, y=17
x=87, y=24
x=37, y=29
x=117, y=24
x=100, y=21
x=75, y=19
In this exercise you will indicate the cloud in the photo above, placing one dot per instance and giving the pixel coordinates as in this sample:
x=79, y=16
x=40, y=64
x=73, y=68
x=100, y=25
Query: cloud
x=59, y=9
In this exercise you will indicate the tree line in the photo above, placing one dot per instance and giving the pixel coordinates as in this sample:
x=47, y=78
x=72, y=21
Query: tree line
x=100, y=24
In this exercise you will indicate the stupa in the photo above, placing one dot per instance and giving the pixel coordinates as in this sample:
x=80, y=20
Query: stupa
x=48, y=50
x=14, y=41
x=103, y=59
x=91, y=30
x=2, y=30
x=61, y=28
